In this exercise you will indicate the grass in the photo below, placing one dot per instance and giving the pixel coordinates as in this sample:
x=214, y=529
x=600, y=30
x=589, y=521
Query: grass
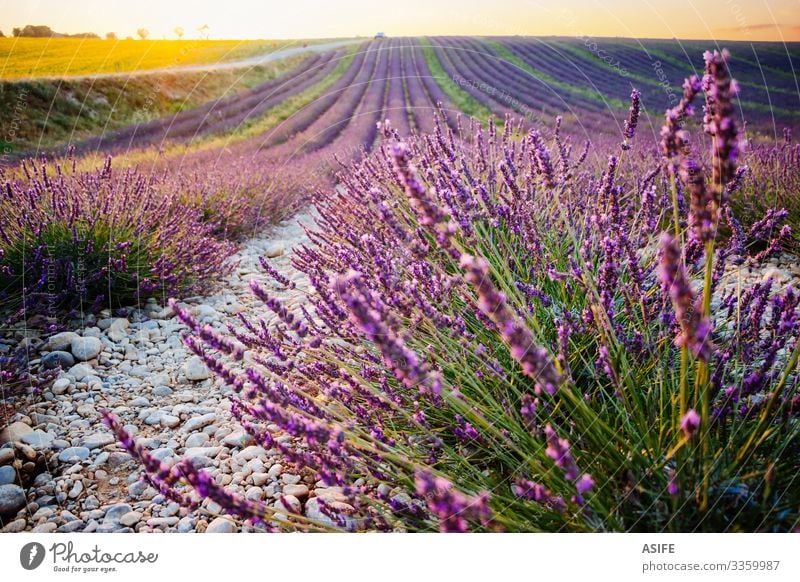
x=460, y=98
x=47, y=112
x=40, y=57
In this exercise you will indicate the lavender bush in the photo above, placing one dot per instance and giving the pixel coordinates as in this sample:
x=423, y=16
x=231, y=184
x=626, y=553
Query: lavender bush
x=81, y=241
x=504, y=339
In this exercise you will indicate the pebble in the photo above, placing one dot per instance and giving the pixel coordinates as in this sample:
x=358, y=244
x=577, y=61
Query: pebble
x=259, y=479
x=60, y=386
x=238, y=439
x=76, y=490
x=14, y=432
x=73, y=453
x=58, y=359
x=86, y=348
x=300, y=491
x=196, y=369
x=170, y=421
x=15, y=526
x=98, y=440
x=60, y=341
x=80, y=371
x=70, y=527
x=115, y=512
x=198, y=422
x=159, y=521
x=221, y=525
x=118, y=459
x=12, y=499
x=6, y=456
x=38, y=439
x=289, y=503
x=197, y=439
x=7, y=475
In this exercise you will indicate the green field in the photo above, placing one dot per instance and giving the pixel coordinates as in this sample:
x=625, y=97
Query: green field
x=47, y=57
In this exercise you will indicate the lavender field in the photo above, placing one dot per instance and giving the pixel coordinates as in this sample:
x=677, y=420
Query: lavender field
x=402, y=284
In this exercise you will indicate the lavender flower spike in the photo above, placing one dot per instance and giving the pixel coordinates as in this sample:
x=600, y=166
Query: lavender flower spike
x=719, y=121
x=584, y=484
x=403, y=362
x=690, y=423
x=452, y=507
x=558, y=450
x=431, y=216
x=695, y=329
x=633, y=119
x=536, y=361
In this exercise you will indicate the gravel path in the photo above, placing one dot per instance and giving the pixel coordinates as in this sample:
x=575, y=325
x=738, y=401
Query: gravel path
x=74, y=476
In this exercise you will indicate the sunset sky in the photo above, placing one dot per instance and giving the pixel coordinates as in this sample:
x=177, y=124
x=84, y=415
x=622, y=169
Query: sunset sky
x=715, y=19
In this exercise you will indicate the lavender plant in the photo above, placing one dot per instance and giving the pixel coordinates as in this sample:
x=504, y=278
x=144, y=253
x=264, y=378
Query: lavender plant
x=79, y=241
x=504, y=339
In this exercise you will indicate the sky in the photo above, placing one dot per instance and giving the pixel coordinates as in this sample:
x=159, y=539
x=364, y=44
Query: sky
x=284, y=19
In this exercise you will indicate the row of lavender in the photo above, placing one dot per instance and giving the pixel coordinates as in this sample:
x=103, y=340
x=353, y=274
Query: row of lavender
x=504, y=338
x=582, y=81
x=74, y=242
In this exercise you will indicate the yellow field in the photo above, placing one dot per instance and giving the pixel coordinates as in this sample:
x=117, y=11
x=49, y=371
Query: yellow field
x=44, y=57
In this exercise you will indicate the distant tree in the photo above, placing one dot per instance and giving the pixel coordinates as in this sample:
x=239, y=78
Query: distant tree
x=179, y=31
x=16, y=31
x=111, y=36
x=37, y=31
x=204, y=30
x=143, y=33
x=128, y=38
x=82, y=35
x=2, y=35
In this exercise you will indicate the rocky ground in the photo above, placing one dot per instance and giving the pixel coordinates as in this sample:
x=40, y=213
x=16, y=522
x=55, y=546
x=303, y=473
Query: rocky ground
x=61, y=469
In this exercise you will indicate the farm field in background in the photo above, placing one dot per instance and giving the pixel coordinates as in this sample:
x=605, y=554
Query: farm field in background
x=66, y=57
x=532, y=79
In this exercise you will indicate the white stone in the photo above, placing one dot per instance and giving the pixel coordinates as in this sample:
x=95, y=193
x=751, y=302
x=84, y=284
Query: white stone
x=196, y=369
x=60, y=386
x=14, y=432
x=86, y=348
x=199, y=422
x=221, y=525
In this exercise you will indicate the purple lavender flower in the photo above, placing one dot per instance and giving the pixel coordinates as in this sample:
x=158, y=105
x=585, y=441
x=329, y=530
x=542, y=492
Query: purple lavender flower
x=690, y=423
x=673, y=487
x=527, y=489
x=674, y=117
x=584, y=484
x=453, y=509
x=558, y=450
x=696, y=330
x=431, y=216
x=719, y=121
x=403, y=362
x=535, y=360
x=633, y=119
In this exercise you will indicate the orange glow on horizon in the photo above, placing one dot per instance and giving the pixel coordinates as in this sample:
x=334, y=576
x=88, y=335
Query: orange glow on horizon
x=754, y=20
